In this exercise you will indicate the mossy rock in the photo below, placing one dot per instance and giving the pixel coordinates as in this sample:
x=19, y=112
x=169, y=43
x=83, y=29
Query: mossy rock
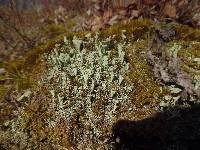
x=146, y=97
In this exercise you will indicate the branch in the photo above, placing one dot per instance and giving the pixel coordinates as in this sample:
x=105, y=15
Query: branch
x=24, y=37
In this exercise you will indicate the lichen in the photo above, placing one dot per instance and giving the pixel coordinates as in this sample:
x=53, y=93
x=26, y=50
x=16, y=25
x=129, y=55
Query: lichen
x=174, y=50
x=88, y=84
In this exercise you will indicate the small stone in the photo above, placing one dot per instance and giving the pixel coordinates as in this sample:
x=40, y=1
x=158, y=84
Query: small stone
x=117, y=140
x=130, y=109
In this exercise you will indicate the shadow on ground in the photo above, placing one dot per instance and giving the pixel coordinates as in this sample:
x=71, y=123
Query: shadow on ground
x=174, y=129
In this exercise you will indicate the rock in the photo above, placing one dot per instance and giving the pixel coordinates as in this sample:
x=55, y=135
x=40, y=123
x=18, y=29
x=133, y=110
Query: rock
x=2, y=71
x=130, y=109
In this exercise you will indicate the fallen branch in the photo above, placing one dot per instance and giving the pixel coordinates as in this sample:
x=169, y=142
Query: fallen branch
x=167, y=70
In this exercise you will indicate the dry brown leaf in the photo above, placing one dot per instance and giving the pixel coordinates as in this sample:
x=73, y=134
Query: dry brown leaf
x=97, y=27
x=98, y=20
x=108, y=14
x=122, y=12
x=169, y=10
x=196, y=17
x=149, y=2
x=135, y=13
x=182, y=3
x=98, y=23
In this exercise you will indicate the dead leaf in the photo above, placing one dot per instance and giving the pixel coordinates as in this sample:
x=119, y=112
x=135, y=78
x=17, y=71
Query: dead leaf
x=97, y=7
x=185, y=81
x=98, y=24
x=122, y=12
x=107, y=15
x=196, y=17
x=135, y=13
x=169, y=10
x=89, y=12
x=114, y=20
x=149, y=2
x=182, y=3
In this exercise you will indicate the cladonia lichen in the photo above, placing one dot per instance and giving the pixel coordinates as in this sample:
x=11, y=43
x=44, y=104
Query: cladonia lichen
x=174, y=50
x=88, y=83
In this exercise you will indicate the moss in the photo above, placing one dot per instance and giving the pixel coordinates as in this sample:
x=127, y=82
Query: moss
x=1, y=64
x=53, y=30
x=32, y=121
x=147, y=90
x=136, y=29
x=3, y=90
x=187, y=33
x=70, y=24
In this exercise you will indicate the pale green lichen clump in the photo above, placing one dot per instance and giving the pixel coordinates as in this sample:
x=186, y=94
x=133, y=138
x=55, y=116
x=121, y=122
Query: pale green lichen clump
x=87, y=81
x=174, y=50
